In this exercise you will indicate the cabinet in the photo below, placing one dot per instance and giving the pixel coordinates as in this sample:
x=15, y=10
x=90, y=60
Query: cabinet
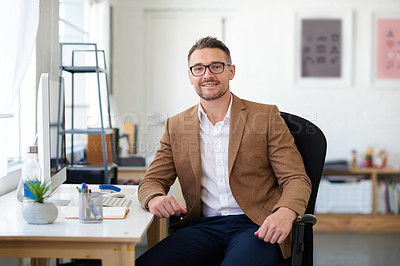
x=371, y=222
x=90, y=64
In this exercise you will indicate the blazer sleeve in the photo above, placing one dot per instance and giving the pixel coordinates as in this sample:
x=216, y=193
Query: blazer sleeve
x=288, y=166
x=161, y=173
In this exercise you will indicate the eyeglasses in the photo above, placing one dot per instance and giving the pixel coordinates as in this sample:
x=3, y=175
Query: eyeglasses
x=215, y=68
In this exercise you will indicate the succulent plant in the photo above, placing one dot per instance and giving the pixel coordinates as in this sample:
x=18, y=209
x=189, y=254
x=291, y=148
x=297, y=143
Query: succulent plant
x=39, y=190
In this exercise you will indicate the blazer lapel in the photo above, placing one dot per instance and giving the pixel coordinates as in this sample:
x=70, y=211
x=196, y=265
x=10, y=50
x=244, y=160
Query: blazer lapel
x=192, y=125
x=238, y=122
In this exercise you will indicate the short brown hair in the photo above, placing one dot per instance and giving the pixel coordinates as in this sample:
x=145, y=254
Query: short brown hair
x=210, y=42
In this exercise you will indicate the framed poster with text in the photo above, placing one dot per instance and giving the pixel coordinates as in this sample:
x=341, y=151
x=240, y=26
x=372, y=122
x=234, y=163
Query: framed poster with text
x=323, y=48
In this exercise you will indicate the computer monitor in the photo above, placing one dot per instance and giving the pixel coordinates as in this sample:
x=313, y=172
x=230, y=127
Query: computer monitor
x=50, y=96
x=43, y=126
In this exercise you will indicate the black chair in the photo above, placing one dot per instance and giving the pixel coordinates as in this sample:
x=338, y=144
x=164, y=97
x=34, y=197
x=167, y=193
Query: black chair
x=311, y=143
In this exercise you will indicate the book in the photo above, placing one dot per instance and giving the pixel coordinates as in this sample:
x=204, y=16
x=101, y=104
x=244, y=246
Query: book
x=72, y=212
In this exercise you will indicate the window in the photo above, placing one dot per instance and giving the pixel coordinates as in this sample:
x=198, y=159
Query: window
x=22, y=127
x=18, y=24
x=83, y=22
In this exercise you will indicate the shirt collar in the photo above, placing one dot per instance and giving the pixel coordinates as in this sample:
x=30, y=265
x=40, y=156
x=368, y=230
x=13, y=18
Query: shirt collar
x=202, y=114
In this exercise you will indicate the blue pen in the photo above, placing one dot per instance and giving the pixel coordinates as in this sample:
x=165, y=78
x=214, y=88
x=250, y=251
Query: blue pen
x=94, y=210
x=83, y=188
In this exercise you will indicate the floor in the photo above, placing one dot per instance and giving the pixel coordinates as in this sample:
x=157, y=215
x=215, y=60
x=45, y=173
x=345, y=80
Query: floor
x=348, y=249
x=371, y=249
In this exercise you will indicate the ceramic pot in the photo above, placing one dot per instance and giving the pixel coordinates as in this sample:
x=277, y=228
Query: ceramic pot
x=39, y=213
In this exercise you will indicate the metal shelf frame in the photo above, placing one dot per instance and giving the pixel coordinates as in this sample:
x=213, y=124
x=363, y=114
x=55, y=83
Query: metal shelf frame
x=74, y=69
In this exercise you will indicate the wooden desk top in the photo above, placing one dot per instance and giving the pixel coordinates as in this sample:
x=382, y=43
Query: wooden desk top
x=131, y=229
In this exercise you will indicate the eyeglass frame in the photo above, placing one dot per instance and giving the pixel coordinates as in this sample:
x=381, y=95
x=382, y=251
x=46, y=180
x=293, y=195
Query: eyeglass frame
x=208, y=66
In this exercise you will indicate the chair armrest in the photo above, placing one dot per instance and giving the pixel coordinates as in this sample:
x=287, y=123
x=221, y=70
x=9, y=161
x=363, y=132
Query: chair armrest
x=306, y=219
x=175, y=219
x=298, y=237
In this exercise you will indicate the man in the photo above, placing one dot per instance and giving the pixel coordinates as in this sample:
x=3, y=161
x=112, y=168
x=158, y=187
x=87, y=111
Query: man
x=241, y=175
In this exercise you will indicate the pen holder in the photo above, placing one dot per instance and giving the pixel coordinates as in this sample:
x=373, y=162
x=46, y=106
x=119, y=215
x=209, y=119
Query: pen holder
x=90, y=207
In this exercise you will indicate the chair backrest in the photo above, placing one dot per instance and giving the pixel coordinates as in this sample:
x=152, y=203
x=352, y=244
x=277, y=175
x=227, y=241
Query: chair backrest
x=311, y=143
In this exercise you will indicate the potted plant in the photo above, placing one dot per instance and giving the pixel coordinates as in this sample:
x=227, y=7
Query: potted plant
x=36, y=208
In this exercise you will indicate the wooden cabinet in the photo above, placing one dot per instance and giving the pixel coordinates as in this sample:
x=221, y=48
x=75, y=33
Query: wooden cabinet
x=373, y=222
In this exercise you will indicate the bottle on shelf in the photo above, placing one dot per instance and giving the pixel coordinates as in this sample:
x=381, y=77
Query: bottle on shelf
x=30, y=172
x=354, y=164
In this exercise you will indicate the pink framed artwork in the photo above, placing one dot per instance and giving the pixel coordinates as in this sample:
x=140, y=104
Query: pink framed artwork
x=388, y=49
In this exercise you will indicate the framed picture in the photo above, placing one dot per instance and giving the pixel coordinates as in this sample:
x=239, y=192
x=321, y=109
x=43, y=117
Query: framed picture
x=323, y=55
x=386, y=49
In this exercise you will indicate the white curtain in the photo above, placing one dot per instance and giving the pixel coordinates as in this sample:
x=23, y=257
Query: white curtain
x=19, y=20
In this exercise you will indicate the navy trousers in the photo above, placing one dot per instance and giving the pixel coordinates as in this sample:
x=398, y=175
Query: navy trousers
x=219, y=240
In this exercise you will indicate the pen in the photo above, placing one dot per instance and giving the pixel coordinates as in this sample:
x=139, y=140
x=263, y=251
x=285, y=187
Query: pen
x=94, y=210
x=83, y=188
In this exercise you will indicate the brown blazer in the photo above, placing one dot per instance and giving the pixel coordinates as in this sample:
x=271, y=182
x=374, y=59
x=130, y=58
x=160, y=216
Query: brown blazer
x=266, y=170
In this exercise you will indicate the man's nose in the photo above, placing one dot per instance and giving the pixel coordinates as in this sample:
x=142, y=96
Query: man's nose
x=208, y=73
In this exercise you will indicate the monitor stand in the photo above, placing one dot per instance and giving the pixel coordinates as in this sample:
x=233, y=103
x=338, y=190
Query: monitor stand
x=59, y=202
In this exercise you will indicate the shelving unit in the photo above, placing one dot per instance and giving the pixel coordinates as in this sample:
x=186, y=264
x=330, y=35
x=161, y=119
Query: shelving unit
x=373, y=222
x=74, y=69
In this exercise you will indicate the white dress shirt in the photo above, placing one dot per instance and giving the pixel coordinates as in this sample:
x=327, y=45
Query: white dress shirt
x=216, y=195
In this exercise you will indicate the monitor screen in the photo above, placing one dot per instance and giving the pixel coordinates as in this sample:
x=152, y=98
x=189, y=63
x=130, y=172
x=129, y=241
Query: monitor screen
x=49, y=115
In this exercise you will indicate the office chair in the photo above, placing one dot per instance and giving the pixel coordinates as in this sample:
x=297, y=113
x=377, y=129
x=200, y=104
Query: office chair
x=311, y=143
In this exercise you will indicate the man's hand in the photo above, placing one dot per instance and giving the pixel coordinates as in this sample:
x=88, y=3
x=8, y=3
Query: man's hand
x=165, y=206
x=277, y=226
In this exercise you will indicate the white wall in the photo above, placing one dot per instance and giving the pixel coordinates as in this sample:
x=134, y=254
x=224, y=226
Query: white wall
x=261, y=41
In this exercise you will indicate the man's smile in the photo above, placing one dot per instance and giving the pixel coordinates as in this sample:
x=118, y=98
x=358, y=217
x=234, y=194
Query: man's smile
x=209, y=84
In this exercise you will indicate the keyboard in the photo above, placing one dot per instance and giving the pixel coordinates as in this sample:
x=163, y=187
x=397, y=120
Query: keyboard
x=116, y=202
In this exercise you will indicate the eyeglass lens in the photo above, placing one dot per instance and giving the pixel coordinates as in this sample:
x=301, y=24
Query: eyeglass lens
x=215, y=68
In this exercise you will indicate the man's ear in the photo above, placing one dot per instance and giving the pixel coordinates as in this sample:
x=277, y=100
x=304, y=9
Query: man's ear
x=232, y=72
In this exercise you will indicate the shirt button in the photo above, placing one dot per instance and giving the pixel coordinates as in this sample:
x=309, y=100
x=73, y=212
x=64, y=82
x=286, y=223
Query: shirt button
x=219, y=161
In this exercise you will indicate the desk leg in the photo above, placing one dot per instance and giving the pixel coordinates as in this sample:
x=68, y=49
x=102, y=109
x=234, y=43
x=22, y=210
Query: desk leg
x=124, y=257
x=156, y=232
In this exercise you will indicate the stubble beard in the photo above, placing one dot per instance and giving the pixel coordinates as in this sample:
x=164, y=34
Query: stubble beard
x=219, y=94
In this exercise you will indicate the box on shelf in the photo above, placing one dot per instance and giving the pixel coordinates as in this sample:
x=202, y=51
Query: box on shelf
x=129, y=130
x=94, y=149
x=344, y=197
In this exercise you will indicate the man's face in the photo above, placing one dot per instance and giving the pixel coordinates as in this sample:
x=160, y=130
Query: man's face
x=210, y=86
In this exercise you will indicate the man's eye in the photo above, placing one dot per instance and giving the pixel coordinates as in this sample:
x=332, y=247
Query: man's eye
x=199, y=68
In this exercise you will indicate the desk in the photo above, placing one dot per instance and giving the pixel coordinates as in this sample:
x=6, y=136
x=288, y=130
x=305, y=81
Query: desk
x=112, y=241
